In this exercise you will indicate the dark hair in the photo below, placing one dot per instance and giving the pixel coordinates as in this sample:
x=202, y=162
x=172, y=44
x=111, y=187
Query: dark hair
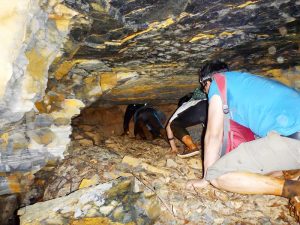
x=212, y=67
x=185, y=98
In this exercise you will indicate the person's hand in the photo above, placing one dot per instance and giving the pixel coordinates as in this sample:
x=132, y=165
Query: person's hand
x=125, y=133
x=173, y=151
x=196, y=184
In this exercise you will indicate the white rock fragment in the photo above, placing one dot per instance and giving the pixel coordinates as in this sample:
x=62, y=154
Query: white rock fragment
x=171, y=163
x=280, y=59
x=106, y=210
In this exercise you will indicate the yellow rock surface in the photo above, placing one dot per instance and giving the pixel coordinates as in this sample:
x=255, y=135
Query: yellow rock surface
x=4, y=137
x=63, y=69
x=108, y=80
x=278, y=74
x=71, y=107
x=89, y=182
x=37, y=64
x=134, y=162
x=62, y=16
x=246, y=4
x=97, y=221
x=202, y=36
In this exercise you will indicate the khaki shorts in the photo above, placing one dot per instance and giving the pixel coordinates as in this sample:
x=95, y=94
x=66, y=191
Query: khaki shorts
x=264, y=155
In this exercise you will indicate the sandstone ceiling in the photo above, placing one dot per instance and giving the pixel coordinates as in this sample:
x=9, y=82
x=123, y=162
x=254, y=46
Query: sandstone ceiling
x=150, y=50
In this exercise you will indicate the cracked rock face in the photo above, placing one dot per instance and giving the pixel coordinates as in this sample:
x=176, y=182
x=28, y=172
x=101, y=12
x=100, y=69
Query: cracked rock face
x=151, y=50
x=59, y=56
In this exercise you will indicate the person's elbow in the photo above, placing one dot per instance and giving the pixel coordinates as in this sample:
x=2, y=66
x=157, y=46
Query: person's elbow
x=215, y=138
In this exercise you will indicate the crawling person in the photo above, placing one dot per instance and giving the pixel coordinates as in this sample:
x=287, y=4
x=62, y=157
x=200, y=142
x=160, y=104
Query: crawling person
x=268, y=108
x=191, y=111
x=148, y=121
x=130, y=110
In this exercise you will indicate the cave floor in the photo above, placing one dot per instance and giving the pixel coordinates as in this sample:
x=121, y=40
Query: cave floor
x=158, y=171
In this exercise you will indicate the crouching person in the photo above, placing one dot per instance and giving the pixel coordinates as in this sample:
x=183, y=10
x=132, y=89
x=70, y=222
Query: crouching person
x=269, y=109
x=192, y=110
x=148, y=121
x=130, y=111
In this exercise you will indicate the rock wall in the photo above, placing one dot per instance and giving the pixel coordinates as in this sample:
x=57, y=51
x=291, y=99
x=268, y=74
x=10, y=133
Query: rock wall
x=32, y=35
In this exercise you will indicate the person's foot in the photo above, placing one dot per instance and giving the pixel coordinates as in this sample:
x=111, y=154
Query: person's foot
x=173, y=151
x=291, y=174
x=189, y=153
x=196, y=184
x=295, y=207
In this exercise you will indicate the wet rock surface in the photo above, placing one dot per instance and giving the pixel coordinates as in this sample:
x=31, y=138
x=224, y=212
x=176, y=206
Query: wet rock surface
x=154, y=173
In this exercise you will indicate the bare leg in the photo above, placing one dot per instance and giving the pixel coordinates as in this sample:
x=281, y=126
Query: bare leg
x=292, y=174
x=249, y=183
x=188, y=141
x=278, y=174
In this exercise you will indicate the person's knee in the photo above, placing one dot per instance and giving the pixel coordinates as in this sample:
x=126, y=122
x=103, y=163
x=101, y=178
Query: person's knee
x=215, y=177
x=168, y=125
x=178, y=129
x=173, y=125
x=221, y=181
x=216, y=183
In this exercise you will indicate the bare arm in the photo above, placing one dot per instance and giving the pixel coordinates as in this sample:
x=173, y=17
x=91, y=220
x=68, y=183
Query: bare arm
x=212, y=141
x=170, y=135
x=214, y=132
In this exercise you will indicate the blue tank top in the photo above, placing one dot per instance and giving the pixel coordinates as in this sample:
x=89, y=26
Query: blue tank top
x=261, y=104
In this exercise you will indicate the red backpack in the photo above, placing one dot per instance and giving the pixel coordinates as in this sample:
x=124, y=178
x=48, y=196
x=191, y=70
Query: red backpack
x=236, y=133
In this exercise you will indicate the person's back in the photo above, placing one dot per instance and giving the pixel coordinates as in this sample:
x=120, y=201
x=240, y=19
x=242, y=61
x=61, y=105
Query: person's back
x=192, y=110
x=268, y=108
x=261, y=104
x=148, y=123
x=184, y=99
x=129, y=113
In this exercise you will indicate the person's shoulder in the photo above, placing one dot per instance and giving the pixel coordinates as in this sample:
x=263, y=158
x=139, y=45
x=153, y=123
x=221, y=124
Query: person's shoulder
x=240, y=76
x=213, y=89
x=239, y=73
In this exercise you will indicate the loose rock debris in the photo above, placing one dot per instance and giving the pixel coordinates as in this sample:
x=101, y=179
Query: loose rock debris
x=156, y=172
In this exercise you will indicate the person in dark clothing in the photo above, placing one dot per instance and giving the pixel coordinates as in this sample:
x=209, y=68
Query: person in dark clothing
x=192, y=111
x=148, y=121
x=130, y=110
x=184, y=99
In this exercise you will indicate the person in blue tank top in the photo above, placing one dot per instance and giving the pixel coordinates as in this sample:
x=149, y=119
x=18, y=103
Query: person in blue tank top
x=271, y=110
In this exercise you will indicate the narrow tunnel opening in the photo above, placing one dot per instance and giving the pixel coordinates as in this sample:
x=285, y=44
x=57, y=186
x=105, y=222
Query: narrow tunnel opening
x=98, y=131
x=97, y=123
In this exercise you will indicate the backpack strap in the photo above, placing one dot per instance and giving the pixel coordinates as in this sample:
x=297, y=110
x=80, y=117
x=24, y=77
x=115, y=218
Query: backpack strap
x=221, y=84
